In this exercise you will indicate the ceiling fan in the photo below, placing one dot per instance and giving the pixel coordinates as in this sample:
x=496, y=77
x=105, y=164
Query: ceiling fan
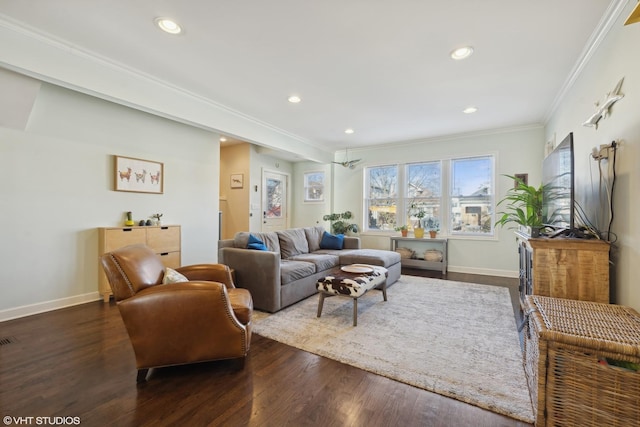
x=351, y=164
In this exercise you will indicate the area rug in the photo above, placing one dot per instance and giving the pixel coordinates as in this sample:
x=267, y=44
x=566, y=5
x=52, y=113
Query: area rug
x=455, y=339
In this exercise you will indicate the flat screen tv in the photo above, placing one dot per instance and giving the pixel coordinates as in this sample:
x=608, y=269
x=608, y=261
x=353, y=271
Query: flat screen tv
x=558, y=187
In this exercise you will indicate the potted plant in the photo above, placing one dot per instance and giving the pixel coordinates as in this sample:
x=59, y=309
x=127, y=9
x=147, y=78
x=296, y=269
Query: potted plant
x=433, y=225
x=418, y=230
x=403, y=229
x=522, y=206
x=339, y=223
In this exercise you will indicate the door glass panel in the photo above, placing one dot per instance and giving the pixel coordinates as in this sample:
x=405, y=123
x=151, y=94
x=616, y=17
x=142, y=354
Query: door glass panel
x=274, y=198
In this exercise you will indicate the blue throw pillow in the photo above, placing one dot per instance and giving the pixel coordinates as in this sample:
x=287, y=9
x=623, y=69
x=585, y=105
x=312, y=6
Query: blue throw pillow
x=329, y=241
x=255, y=243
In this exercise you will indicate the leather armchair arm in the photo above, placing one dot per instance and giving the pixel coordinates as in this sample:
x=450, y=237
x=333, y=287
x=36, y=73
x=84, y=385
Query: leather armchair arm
x=208, y=272
x=182, y=323
x=257, y=271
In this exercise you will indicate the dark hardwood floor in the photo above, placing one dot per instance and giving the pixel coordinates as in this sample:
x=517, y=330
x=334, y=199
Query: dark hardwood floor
x=77, y=362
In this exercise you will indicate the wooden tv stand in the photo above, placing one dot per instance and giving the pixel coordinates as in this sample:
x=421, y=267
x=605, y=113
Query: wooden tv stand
x=564, y=267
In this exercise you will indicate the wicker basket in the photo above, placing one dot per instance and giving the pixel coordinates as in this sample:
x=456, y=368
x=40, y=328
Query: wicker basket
x=433, y=255
x=570, y=349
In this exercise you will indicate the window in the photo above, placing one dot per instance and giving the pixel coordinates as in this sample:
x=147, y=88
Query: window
x=381, y=197
x=423, y=193
x=455, y=196
x=314, y=187
x=471, y=195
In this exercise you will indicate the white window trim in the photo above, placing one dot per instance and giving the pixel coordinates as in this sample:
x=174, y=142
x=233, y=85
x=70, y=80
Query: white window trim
x=445, y=196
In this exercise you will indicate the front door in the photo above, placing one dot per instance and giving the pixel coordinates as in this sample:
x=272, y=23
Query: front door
x=274, y=201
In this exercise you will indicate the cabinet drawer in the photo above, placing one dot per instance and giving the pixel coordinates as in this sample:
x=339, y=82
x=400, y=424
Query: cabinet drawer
x=164, y=239
x=115, y=238
x=170, y=259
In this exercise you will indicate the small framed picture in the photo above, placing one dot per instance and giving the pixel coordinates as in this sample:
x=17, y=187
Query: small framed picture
x=314, y=187
x=138, y=176
x=524, y=177
x=237, y=180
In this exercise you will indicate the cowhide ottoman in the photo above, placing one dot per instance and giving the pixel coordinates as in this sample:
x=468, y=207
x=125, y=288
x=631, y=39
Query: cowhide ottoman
x=352, y=281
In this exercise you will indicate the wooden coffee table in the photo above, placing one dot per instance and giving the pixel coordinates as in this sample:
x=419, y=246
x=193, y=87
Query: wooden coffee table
x=352, y=284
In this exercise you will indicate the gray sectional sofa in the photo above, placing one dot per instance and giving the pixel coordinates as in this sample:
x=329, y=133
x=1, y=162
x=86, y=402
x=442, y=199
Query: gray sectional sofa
x=288, y=270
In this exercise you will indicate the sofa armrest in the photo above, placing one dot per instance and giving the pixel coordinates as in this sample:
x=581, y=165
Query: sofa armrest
x=226, y=243
x=257, y=271
x=351, y=242
x=209, y=272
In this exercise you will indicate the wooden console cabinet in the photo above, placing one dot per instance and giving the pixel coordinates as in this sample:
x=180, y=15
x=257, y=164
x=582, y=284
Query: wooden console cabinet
x=564, y=268
x=164, y=240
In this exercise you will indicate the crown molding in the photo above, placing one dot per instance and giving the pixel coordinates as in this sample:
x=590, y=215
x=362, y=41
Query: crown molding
x=43, y=57
x=606, y=24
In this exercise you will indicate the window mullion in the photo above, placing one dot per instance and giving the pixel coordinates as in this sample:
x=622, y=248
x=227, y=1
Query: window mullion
x=445, y=197
x=402, y=195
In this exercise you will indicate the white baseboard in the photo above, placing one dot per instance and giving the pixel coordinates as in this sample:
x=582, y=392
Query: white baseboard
x=483, y=271
x=41, y=307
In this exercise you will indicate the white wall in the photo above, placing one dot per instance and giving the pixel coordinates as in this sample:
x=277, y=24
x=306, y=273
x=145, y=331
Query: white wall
x=234, y=202
x=517, y=151
x=309, y=214
x=56, y=188
x=616, y=57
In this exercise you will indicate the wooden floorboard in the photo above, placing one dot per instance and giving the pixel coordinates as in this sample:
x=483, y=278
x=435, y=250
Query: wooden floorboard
x=78, y=362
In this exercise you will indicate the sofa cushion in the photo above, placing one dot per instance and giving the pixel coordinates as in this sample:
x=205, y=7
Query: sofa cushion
x=292, y=242
x=270, y=240
x=291, y=271
x=370, y=256
x=331, y=241
x=322, y=261
x=255, y=243
x=314, y=235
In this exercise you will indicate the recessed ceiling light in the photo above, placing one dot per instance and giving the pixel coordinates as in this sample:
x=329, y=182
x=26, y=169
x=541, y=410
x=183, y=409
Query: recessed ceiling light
x=470, y=110
x=349, y=131
x=294, y=99
x=223, y=139
x=461, y=53
x=168, y=25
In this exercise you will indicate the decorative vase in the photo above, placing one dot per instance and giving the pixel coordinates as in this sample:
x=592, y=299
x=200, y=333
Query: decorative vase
x=418, y=233
x=129, y=220
x=433, y=234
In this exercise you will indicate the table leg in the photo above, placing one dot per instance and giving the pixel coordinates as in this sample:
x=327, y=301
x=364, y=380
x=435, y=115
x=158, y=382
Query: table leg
x=355, y=312
x=384, y=290
x=320, y=303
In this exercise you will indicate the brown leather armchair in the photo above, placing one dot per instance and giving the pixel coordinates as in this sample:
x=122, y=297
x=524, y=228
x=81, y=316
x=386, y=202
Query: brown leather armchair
x=203, y=319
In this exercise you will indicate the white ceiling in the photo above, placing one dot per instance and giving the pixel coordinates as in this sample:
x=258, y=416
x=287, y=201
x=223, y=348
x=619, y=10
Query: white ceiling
x=381, y=67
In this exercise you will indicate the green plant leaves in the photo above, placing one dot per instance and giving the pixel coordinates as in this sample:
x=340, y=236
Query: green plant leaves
x=523, y=205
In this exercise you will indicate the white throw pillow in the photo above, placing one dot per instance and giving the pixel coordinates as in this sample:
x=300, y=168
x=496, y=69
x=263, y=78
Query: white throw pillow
x=172, y=276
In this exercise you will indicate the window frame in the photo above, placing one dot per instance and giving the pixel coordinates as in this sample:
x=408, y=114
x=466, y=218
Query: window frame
x=367, y=200
x=446, y=182
x=306, y=186
x=491, y=195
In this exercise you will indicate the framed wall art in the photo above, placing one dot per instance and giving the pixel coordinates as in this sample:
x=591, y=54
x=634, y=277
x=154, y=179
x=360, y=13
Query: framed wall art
x=237, y=180
x=524, y=177
x=138, y=176
x=314, y=187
